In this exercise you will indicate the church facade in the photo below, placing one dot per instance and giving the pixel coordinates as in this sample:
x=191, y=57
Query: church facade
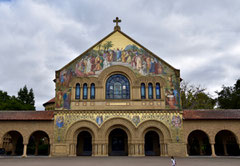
x=119, y=99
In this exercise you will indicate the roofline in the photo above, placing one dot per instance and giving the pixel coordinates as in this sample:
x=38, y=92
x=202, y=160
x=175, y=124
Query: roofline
x=48, y=103
x=27, y=119
x=195, y=119
x=26, y=115
x=178, y=70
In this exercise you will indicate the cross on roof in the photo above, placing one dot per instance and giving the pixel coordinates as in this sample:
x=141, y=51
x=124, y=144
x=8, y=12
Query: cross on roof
x=117, y=20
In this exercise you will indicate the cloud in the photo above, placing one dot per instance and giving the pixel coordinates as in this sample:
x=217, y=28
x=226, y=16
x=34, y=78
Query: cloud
x=201, y=38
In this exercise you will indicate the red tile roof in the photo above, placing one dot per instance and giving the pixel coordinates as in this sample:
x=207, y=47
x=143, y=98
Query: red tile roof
x=26, y=115
x=211, y=114
x=49, y=102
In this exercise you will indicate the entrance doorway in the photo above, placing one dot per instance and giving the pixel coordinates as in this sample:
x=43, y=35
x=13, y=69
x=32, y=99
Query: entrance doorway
x=226, y=144
x=38, y=144
x=84, y=144
x=118, y=143
x=198, y=144
x=13, y=143
x=152, y=146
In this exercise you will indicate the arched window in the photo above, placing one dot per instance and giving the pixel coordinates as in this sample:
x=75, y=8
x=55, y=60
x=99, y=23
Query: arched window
x=77, y=92
x=143, y=91
x=92, y=91
x=150, y=91
x=158, y=91
x=85, y=91
x=117, y=87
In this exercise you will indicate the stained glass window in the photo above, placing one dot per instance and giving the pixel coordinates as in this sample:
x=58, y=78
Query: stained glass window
x=150, y=91
x=158, y=91
x=85, y=91
x=77, y=92
x=117, y=87
x=92, y=91
x=143, y=91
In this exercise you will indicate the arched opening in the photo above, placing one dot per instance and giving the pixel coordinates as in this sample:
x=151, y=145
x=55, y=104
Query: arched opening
x=84, y=144
x=13, y=143
x=158, y=91
x=198, y=143
x=85, y=91
x=226, y=144
x=117, y=87
x=150, y=91
x=143, y=91
x=38, y=144
x=152, y=145
x=77, y=92
x=118, y=143
x=92, y=91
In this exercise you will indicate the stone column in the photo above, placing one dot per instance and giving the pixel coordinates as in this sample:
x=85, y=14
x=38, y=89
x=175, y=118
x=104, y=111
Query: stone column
x=162, y=151
x=106, y=145
x=225, y=148
x=186, y=150
x=88, y=92
x=141, y=149
x=99, y=153
x=136, y=150
x=95, y=149
x=24, y=151
x=50, y=150
x=104, y=149
x=166, y=149
x=130, y=149
x=154, y=91
x=213, y=150
x=72, y=149
x=146, y=91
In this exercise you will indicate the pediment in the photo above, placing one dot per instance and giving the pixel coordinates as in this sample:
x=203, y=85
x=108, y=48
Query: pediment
x=117, y=49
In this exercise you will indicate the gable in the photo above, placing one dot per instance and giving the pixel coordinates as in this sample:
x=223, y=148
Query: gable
x=117, y=49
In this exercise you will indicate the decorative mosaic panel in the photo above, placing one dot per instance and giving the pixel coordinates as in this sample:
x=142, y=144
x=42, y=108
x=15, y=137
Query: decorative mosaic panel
x=117, y=50
x=64, y=120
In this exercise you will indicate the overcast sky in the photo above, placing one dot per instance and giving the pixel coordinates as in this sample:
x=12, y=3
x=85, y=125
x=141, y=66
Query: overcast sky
x=199, y=37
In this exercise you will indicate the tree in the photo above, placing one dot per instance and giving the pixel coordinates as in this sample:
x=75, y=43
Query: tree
x=27, y=98
x=229, y=97
x=24, y=101
x=195, y=97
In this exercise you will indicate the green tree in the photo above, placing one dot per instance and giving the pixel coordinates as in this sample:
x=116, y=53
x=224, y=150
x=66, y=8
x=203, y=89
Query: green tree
x=4, y=99
x=24, y=101
x=229, y=97
x=26, y=97
x=9, y=102
x=195, y=97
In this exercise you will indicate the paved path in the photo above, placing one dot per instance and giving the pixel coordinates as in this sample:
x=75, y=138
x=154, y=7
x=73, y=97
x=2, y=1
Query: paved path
x=118, y=161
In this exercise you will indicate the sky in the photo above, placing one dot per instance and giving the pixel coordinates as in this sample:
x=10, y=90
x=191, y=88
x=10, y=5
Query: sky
x=38, y=37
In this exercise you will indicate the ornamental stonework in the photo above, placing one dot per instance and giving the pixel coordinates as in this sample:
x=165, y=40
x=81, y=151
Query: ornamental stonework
x=64, y=120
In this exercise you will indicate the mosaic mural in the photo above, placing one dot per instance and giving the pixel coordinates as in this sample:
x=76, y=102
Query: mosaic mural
x=109, y=53
x=172, y=120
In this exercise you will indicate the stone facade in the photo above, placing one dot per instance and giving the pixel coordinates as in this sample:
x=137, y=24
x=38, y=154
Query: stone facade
x=137, y=113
